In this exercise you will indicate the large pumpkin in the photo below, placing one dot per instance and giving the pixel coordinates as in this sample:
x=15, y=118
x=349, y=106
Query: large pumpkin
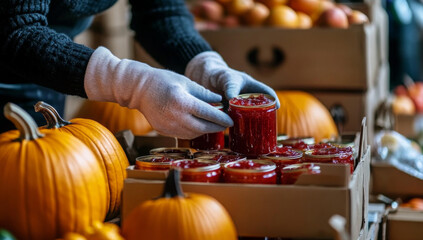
x=179, y=217
x=50, y=182
x=301, y=115
x=102, y=142
x=115, y=117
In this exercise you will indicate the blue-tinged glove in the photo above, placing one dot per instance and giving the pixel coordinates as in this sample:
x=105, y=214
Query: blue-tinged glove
x=211, y=71
x=173, y=104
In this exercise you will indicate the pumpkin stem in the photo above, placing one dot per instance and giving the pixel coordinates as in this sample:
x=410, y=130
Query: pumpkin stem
x=26, y=125
x=53, y=118
x=172, y=186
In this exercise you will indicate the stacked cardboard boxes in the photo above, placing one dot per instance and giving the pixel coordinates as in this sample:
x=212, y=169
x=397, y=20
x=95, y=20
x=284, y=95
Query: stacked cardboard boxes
x=344, y=67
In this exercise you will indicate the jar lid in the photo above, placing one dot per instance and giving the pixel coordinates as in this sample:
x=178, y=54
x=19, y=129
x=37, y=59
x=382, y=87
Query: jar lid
x=253, y=96
x=250, y=166
x=196, y=165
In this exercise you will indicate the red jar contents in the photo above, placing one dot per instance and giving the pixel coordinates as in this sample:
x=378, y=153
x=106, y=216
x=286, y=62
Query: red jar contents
x=210, y=141
x=283, y=157
x=250, y=171
x=290, y=174
x=254, y=131
x=194, y=170
x=155, y=162
x=331, y=155
x=173, y=151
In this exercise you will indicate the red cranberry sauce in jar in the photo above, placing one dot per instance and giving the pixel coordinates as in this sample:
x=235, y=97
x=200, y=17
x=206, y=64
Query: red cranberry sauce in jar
x=210, y=141
x=155, y=162
x=283, y=156
x=290, y=174
x=194, y=170
x=334, y=155
x=254, y=131
x=250, y=171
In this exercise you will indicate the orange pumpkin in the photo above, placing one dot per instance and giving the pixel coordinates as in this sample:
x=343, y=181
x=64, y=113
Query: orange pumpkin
x=50, y=182
x=301, y=115
x=114, y=117
x=102, y=142
x=179, y=217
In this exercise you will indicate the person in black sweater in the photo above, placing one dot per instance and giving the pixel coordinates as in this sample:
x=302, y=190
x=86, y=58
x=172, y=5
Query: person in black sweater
x=39, y=61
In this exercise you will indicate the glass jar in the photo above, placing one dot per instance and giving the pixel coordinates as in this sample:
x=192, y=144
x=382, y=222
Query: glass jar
x=333, y=155
x=250, y=171
x=254, y=130
x=173, y=151
x=290, y=174
x=155, y=162
x=194, y=170
x=283, y=157
x=210, y=141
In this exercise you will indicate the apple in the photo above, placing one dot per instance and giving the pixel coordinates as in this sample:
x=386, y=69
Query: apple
x=333, y=17
x=403, y=105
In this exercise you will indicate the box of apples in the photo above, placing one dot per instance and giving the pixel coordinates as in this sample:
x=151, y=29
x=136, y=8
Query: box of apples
x=298, y=44
x=407, y=105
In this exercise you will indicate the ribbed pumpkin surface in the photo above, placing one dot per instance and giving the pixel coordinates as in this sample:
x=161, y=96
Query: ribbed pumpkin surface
x=301, y=115
x=114, y=117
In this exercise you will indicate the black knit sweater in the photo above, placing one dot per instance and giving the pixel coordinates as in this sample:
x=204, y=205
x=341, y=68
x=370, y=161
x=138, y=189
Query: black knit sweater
x=32, y=52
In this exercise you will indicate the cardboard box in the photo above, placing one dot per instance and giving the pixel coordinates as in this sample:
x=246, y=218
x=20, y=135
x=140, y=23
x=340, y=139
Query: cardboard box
x=295, y=211
x=394, y=183
x=311, y=59
x=316, y=58
x=405, y=124
x=357, y=104
x=405, y=224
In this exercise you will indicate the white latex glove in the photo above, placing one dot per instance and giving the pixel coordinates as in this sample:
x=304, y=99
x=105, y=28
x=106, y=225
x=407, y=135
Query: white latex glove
x=173, y=104
x=211, y=71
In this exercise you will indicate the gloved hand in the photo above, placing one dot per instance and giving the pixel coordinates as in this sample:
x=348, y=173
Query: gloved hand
x=173, y=104
x=211, y=71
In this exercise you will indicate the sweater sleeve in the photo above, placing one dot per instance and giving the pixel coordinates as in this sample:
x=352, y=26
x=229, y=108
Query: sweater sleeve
x=165, y=28
x=37, y=54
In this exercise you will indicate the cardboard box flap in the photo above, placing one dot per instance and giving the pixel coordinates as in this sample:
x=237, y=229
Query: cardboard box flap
x=405, y=214
x=330, y=175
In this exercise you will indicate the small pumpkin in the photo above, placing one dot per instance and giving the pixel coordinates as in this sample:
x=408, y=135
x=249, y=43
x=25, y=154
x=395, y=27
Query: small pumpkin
x=50, y=182
x=177, y=216
x=102, y=142
x=302, y=115
x=115, y=117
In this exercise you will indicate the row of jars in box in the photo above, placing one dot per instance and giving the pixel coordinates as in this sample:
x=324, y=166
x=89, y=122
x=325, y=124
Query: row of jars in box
x=252, y=171
x=269, y=168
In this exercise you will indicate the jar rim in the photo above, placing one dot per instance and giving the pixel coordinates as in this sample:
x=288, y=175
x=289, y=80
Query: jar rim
x=281, y=158
x=246, y=95
x=300, y=167
x=270, y=166
x=158, y=151
x=144, y=160
x=214, y=165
